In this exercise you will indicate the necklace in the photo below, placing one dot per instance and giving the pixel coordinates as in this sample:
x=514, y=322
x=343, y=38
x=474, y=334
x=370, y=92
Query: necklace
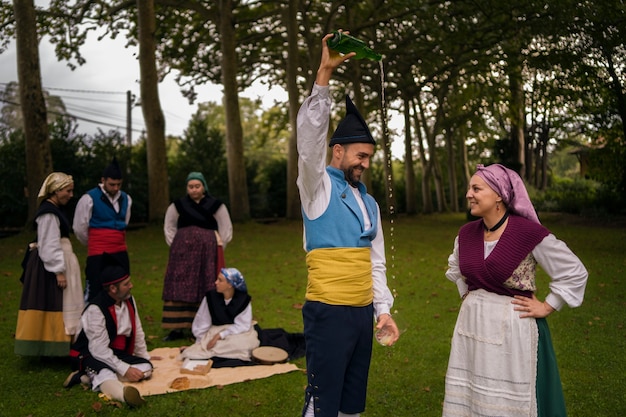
x=498, y=225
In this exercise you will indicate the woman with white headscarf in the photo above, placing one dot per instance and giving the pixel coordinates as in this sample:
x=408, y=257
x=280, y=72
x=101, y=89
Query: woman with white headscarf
x=52, y=294
x=501, y=360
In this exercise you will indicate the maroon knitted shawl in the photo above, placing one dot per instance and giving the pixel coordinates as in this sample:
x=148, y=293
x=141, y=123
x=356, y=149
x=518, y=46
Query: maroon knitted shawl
x=518, y=239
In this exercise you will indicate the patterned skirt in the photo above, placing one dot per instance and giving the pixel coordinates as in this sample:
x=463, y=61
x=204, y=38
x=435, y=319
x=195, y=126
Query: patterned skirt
x=194, y=261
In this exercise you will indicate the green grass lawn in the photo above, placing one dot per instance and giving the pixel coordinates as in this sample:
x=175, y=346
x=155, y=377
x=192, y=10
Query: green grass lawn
x=405, y=380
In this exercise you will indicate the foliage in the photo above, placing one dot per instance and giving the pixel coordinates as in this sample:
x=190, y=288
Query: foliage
x=467, y=73
x=566, y=195
x=202, y=148
x=13, y=206
x=267, y=186
x=405, y=380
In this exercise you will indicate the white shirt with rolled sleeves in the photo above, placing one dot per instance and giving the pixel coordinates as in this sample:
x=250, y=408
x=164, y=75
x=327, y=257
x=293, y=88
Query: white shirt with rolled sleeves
x=94, y=325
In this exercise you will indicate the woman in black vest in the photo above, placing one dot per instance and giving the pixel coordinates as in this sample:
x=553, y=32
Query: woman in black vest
x=52, y=295
x=197, y=227
x=223, y=326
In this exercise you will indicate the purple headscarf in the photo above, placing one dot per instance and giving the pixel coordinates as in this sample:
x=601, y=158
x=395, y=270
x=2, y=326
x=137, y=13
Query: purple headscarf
x=508, y=185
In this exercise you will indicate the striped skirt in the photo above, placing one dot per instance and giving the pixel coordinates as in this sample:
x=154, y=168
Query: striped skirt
x=49, y=316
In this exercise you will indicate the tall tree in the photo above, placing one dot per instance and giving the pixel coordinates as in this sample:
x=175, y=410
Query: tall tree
x=237, y=185
x=152, y=113
x=291, y=18
x=38, y=154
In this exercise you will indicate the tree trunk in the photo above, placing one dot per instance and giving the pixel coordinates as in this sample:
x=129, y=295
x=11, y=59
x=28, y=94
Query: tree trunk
x=158, y=190
x=517, y=118
x=237, y=185
x=427, y=201
x=465, y=169
x=409, y=171
x=452, y=179
x=38, y=154
x=434, y=162
x=293, y=198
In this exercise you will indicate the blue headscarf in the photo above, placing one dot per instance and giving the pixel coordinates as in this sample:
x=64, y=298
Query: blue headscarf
x=234, y=278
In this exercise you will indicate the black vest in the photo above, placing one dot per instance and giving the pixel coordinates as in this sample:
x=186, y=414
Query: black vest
x=225, y=314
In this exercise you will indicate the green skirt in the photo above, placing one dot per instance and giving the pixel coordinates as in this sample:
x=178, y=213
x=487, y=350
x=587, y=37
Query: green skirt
x=550, y=400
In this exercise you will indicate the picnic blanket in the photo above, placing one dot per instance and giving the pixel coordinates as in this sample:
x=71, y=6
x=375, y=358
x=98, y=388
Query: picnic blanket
x=167, y=370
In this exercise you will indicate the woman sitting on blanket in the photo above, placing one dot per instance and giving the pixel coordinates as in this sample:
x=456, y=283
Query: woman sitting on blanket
x=223, y=324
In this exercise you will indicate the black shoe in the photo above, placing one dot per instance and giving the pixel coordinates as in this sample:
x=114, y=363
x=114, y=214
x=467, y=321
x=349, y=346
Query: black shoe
x=174, y=335
x=72, y=379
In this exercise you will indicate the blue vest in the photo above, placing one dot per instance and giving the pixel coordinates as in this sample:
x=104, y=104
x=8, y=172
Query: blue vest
x=342, y=224
x=103, y=215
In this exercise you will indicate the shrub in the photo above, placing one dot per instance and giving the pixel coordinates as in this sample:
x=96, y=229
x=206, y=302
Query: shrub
x=567, y=195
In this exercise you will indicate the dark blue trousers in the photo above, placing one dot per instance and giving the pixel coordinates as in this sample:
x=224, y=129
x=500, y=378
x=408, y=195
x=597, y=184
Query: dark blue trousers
x=338, y=354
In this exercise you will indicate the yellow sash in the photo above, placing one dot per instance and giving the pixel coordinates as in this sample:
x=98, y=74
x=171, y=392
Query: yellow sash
x=340, y=276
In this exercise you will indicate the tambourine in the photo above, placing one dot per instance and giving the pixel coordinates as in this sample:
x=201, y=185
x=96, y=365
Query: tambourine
x=269, y=355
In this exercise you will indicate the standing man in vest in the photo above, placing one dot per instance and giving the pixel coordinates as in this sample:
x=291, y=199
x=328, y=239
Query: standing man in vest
x=100, y=220
x=347, y=284
x=111, y=348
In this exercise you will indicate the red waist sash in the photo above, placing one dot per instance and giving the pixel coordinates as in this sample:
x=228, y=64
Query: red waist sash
x=105, y=240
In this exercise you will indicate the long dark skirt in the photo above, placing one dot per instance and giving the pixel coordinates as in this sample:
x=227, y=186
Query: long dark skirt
x=194, y=262
x=40, y=328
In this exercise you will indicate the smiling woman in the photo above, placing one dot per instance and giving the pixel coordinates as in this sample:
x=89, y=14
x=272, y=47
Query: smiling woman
x=493, y=265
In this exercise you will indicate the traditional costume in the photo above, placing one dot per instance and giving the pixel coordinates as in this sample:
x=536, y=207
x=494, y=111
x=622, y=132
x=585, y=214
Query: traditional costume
x=501, y=364
x=100, y=223
x=347, y=284
x=197, y=234
x=49, y=315
x=111, y=341
x=230, y=318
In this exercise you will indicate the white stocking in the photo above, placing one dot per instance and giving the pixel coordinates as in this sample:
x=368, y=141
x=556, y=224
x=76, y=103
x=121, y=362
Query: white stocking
x=113, y=389
x=309, y=410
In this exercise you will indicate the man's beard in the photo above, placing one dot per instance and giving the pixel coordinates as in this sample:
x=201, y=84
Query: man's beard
x=350, y=177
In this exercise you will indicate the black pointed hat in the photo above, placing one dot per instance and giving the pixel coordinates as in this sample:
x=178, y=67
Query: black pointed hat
x=352, y=129
x=112, y=270
x=113, y=170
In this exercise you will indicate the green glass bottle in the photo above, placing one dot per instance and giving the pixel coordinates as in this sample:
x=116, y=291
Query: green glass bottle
x=345, y=44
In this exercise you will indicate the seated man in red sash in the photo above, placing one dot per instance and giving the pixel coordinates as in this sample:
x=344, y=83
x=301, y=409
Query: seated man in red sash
x=111, y=348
